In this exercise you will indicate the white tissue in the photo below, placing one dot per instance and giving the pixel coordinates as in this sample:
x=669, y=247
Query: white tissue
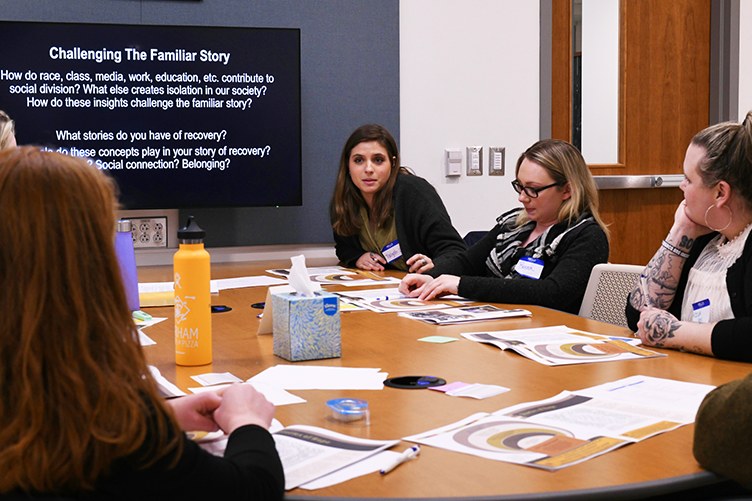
x=299, y=279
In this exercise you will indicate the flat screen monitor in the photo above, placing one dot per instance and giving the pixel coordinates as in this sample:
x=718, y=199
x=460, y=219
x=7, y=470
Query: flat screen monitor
x=180, y=116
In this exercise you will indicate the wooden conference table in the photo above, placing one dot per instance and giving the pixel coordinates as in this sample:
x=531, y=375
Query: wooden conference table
x=657, y=465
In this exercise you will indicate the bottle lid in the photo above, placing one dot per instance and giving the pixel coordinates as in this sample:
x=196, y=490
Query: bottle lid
x=191, y=231
x=350, y=409
x=124, y=226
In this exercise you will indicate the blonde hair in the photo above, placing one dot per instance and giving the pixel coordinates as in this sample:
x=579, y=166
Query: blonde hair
x=76, y=390
x=728, y=156
x=7, y=129
x=565, y=164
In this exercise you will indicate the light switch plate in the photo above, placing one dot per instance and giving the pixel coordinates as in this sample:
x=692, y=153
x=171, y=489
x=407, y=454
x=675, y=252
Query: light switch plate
x=474, y=160
x=452, y=162
x=496, y=160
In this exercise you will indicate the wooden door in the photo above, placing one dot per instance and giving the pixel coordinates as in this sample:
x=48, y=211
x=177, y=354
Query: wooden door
x=664, y=101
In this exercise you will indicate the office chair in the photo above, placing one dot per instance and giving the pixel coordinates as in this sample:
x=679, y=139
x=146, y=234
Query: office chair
x=607, y=291
x=472, y=237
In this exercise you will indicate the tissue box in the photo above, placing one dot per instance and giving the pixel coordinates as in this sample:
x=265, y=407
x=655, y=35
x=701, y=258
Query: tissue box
x=306, y=328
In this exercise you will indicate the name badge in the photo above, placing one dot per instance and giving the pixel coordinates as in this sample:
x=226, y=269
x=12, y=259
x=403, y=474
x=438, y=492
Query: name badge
x=529, y=267
x=701, y=311
x=391, y=251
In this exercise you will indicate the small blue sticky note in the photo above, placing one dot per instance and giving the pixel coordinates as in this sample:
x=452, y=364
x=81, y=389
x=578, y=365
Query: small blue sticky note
x=438, y=339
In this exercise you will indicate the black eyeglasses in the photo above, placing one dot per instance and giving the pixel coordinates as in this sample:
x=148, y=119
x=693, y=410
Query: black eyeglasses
x=531, y=192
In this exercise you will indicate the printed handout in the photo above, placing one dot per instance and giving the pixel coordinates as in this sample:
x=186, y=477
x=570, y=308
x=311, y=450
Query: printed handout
x=340, y=276
x=465, y=314
x=561, y=345
x=308, y=453
x=391, y=300
x=573, y=426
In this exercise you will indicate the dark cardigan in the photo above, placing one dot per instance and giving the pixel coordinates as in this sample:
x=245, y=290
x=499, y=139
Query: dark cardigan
x=731, y=339
x=422, y=223
x=250, y=469
x=561, y=285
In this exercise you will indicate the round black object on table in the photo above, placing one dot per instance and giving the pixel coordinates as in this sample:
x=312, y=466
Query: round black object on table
x=414, y=382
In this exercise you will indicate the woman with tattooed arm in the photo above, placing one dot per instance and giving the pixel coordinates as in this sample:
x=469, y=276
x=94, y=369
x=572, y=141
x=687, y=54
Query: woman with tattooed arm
x=696, y=293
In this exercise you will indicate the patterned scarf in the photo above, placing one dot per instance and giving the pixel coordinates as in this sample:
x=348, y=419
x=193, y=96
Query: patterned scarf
x=509, y=249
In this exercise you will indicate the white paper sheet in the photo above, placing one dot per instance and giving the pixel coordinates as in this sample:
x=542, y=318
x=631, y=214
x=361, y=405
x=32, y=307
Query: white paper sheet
x=165, y=387
x=241, y=282
x=312, y=377
x=145, y=340
x=273, y=394
x=212, y=378
x=390, y=300
x=308, y=453
x=364, y=467
x=149, y=287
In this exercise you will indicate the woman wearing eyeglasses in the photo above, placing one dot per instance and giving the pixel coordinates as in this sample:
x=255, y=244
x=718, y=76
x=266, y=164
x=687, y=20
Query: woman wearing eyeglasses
x=539, y=254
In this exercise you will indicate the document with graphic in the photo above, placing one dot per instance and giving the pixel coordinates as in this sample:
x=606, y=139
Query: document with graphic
x=465, y=314
x=561, y=345
x=340, y=276
x=391, y=300
x=520, y=441
x=308, y=452
x=575, y=425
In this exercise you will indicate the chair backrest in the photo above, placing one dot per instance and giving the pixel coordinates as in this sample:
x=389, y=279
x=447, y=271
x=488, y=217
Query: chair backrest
x=472, y=237
x=607, y=290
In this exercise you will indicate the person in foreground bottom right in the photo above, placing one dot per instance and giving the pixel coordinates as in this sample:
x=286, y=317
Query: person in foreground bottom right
x=723, y=431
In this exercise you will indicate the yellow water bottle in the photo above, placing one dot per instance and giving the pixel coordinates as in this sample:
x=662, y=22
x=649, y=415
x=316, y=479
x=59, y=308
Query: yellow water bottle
x=192, y=273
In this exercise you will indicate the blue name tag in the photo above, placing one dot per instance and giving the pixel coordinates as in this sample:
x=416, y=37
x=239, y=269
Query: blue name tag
x=529, y=267
x=391, y=251
x=701, y=311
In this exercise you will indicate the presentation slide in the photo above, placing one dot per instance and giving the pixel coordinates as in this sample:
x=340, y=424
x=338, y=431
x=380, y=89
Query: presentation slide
x=179, y=116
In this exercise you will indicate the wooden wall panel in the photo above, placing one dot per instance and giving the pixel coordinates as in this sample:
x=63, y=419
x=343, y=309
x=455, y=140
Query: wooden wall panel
x=665, y=84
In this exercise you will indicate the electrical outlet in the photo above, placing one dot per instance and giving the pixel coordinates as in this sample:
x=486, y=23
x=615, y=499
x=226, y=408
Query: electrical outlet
x=149, y=232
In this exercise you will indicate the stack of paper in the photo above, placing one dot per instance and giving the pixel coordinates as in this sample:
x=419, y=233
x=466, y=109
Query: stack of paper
x=312, y=377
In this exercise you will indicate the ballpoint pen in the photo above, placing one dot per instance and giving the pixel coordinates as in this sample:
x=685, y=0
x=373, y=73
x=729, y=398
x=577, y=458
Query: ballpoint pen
x=407, y=455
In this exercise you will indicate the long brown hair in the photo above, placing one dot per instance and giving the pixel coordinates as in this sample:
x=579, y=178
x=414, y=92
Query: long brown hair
x=565, y=164
x=728, y=156
x=76, y=390
x=344, y=209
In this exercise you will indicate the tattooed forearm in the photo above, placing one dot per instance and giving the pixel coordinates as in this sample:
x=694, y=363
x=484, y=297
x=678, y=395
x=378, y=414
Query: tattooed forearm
x=637, y=298
x=661, y=328
x=660, y=280
x=686, y=242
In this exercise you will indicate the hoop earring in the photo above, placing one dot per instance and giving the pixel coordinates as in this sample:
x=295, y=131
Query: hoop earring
x=731, y=218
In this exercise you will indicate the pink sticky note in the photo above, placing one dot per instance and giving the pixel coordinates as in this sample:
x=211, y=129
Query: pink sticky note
x=449, y=387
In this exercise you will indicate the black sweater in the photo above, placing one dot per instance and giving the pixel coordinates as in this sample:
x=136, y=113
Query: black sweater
x=562, y=283
x=250, y=469
x=422, y=223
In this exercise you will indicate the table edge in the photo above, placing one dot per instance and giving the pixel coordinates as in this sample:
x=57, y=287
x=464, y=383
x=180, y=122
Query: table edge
x=620, y=492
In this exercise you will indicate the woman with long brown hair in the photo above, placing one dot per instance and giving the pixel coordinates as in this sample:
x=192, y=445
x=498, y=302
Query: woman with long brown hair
x=384, y=215
x=541, y=253
x=80, y=414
